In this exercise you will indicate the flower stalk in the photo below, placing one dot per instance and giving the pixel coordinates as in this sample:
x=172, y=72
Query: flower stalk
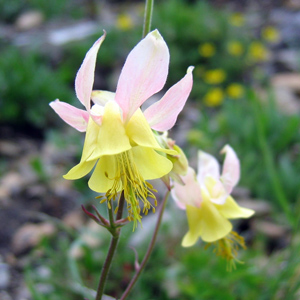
x=149, y=250
x=148, y=17
x=115, y=231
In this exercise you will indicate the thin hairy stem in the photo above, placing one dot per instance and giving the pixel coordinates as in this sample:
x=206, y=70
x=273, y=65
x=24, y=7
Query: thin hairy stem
x=148, y=17
x=115, y=231
x=149, y=250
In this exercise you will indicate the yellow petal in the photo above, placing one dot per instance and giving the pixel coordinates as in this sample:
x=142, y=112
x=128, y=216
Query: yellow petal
x=150, y=164
x=214, y=226
x=104, y=174
x=80, y=170
x=231, y=210
x=112, y=138
x=90, y=139
x=140, y=133
x=195, y=223
x=189, y=239
x=207, y=222
x=85, y=166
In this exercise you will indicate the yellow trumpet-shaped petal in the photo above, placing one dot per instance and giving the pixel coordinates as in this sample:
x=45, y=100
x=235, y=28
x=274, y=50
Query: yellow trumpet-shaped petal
x=205, y=222
x=231, y=210
x=80, y=170
x=140, y=133
x=85, y=167
x=195, y=227
x=150, y=164
x=213, y=225
x=112, y=138
x=104, y=174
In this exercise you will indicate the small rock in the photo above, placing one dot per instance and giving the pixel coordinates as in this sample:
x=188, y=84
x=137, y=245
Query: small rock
x=23, y=292
x=29, y=20
x=287, y=80
x=10, y=149
x=240, y=192
x=79, y=31
x=4, y=276
x=286, y=100
x=5, y=296
x=74, y=219
x=288, y=57
x=11, y=183
x=29, y=235
x=270, y=229
x=261, y=207
x=90, y=236
x=293, y=4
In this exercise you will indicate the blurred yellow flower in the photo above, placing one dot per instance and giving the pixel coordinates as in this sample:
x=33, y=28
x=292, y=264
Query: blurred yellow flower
x=270, y=34
x=207, y=50
x=124, y=22
x=258, y=52
x=237, y=19
x=235, y=90
x=214, y=97
x=215, y=76
x=235, y=48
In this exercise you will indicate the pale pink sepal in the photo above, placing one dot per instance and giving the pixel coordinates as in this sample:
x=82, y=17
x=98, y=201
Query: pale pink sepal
x=85, y=76
x=231, y=169
x=144, y=73
x=189, y=193
x=207, y=166
x=162, y=115
x=73, y=116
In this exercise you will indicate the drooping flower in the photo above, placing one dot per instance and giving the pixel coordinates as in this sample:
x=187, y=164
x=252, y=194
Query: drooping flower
x=119, y=142
x=208, y=204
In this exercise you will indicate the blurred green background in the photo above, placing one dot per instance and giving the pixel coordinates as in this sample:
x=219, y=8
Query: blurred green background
x=246, y=93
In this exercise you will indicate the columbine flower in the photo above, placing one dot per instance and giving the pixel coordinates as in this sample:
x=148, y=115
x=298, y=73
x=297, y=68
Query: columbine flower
x=119, y=141
x=209, y=205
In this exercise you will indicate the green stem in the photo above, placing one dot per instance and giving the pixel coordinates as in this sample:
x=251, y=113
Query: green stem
x=148, y=17
x=149, y=250
x=115, y=231
x=269, y=162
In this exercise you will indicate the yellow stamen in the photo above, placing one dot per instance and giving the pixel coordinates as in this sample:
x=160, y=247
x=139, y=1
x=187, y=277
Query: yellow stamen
x=135, y=188
x=228, y=247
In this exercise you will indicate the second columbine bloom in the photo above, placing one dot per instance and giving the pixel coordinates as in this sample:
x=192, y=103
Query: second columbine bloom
x=208, y=204
x=119, y=143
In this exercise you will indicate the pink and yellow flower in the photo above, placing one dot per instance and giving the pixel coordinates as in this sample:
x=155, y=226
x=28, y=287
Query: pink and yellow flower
x=208, y=204
x=119, y=142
